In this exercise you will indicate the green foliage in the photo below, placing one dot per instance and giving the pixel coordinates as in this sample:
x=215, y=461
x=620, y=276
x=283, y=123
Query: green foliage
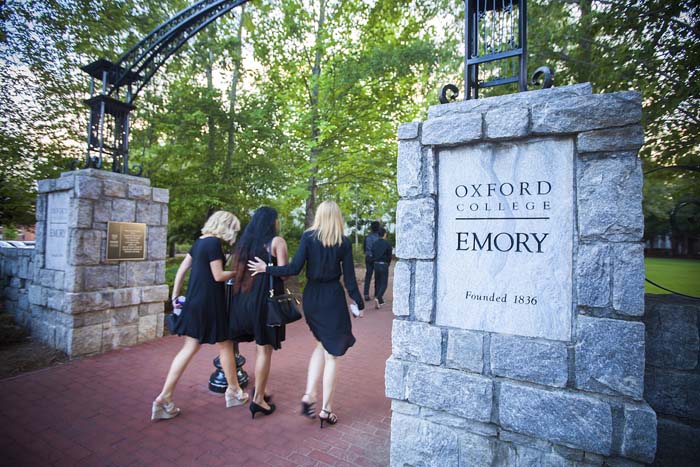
x=171, y=266
x=271, y=105
x=652, y=46
x=374, y=64
x=358, y=254
x=10, y=233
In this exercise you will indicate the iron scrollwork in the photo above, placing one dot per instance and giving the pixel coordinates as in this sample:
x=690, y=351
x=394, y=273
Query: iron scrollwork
x=547, y=76
x=495, y=48
x=448, y=93
x=135, y=169
x=89, y=163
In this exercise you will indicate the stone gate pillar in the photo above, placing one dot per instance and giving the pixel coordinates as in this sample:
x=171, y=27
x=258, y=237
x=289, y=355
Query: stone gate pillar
x=519, y=292
x=81, y=302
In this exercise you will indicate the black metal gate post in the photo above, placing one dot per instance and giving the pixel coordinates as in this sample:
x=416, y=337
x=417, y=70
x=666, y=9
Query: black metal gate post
x=495, y=48
x=217, y=380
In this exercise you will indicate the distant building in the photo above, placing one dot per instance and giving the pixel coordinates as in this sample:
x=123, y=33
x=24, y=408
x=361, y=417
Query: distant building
x=667, y=245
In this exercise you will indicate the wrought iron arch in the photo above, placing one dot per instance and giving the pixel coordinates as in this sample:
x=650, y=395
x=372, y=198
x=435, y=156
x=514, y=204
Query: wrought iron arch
x=121, y=81
x=495, y=37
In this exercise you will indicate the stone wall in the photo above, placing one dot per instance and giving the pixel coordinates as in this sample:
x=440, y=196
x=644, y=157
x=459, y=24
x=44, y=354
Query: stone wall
x=672, y=383
x=467, y=397
x=80, y=302
x=16, y=272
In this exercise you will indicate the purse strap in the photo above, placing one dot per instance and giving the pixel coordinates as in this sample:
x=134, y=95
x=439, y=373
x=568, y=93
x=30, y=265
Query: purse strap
x=269, y=263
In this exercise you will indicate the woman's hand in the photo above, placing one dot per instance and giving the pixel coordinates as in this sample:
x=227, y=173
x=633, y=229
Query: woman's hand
x=257, y=267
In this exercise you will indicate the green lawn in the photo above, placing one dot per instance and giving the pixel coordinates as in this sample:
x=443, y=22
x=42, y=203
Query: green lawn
x=680, y=275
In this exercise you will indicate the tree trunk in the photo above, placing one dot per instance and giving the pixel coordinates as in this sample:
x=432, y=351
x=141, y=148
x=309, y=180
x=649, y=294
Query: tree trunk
x=313, y=100
x=585, y=42
x=226, y=173
x=210, y=119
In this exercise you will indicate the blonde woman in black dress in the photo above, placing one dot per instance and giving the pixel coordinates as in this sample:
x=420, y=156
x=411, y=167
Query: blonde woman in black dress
x=328, y=256
x=203, y=319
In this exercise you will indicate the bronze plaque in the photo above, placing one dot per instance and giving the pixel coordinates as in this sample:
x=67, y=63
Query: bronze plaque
x=126, y=241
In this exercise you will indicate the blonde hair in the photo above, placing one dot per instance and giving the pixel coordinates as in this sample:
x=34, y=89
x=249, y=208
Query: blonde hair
x=223, y=225
x=328, y=224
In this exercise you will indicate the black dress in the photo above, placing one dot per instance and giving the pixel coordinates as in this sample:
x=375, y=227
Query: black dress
x=203, y=315
x=248, y=318
x=325, y=307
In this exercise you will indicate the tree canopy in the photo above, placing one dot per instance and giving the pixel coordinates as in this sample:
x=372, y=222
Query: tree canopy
x=290, y=102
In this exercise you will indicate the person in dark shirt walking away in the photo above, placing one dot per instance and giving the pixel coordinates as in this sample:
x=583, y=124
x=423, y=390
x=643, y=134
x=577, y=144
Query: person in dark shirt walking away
x=381, y=252
x=369, y=260
x=327, y=254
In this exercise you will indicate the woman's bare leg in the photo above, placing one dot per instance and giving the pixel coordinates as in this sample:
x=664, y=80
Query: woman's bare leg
x=177, y=368
x=263, y=360
x=228, y=364
x=329, y=374
x=316, y=365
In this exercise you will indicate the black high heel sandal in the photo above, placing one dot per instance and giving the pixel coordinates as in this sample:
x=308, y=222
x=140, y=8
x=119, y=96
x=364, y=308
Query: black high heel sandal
x=331, y=419
x=255, y=408
x=307, y=409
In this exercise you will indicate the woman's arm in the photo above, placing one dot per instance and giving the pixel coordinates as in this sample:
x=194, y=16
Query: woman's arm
x=279, y=250
x=217, y=270
x=349, y=275
x=180, y=276
x=259, y=266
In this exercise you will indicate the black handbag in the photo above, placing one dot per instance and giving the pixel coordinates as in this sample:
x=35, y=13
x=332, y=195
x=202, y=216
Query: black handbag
x=171, y=322
x=173, y=319
x=281, y=309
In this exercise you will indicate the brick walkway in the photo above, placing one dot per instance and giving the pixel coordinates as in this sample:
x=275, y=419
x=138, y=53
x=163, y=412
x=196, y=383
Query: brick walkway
x=95, y=411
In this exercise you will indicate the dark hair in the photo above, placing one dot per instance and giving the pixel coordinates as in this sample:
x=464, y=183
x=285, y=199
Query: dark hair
x=374, y=226
x=257, y=234
x=382, y=231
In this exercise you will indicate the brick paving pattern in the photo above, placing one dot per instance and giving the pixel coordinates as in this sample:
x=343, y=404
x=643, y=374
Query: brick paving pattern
x=96, y=410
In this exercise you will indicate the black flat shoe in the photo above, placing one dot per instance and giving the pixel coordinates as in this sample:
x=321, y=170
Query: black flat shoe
x=331, y=418
x=255, y=408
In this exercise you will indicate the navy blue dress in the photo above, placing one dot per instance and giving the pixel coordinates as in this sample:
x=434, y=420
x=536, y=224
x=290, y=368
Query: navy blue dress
x=325, y=307
x=248, y=314
x=203, y=315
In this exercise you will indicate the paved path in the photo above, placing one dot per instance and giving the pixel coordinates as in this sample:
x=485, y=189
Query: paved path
x=95, y=411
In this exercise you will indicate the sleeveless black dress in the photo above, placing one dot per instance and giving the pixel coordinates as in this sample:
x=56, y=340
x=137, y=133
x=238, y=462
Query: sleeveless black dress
x=325, y=307
x=248, y=314
x=203, y=315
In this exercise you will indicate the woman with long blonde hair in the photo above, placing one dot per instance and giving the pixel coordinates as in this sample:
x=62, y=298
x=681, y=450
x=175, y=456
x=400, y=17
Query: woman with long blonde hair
x=203, y=318
x=327, y=254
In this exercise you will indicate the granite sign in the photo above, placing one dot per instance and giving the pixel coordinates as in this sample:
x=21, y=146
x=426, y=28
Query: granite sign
x=519, y=285
x=57, y=230
x=505, y=238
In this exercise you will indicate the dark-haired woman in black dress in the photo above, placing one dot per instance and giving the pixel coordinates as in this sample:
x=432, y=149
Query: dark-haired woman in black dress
x=203, y=318
x=328, y=256
x=248, y=318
